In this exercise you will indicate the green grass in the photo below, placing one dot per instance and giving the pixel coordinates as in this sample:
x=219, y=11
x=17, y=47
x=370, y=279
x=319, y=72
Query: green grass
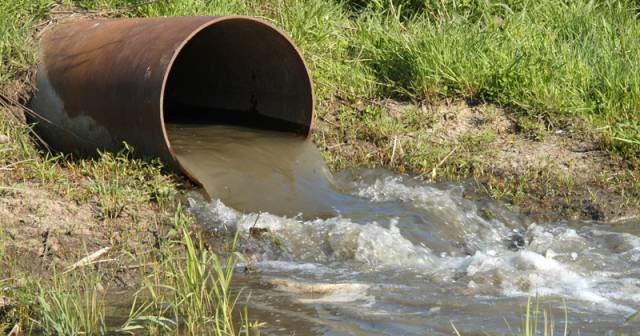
x=184, y=289
x=71, y=306
x=115, y=182
x=17, y=21
x=548, y=61
x=194, y=287
x=118, y=181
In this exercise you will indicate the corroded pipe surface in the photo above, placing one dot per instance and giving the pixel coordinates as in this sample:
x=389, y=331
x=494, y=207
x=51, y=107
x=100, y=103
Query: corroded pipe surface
x=102, y=82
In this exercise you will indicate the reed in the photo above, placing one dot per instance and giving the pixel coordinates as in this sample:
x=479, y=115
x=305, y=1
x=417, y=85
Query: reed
x=193, y=287
x=188, y=290
x=71, y=305
x=535, y=322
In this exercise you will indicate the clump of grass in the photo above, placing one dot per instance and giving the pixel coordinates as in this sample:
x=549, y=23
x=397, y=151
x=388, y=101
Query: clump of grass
x=533, y=325
x=71, y=306
x=535, y=322
x=17, y=21
x=76, y=304
x=195, y=287
x=118, y=181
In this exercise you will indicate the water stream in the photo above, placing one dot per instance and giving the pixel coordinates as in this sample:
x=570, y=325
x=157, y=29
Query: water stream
x=374, y=253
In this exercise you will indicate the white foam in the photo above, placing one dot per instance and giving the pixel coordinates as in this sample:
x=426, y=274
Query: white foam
x=527, y=273
x=459, y=215
x=594, y=266
x=326, y=240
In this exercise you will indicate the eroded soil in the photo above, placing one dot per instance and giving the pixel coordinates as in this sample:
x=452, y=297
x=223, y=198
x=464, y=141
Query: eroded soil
x=559, y=174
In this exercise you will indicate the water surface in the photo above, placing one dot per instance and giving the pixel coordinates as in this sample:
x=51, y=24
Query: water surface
x=375, y=253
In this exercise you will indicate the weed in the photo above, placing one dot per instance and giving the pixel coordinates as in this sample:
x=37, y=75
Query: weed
x=533, y=324
x=71, y=306
x=118, y=181
x=196, y=288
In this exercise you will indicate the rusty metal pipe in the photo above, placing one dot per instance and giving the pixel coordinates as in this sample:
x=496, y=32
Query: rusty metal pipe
x=102, y=82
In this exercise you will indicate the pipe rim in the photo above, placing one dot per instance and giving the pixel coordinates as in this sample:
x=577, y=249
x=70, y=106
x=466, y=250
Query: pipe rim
x=214, y=21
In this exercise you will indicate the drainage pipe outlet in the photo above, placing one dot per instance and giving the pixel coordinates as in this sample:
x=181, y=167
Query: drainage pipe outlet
x=104, y=82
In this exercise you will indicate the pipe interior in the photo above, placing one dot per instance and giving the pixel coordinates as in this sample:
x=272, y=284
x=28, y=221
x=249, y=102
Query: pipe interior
x=240, y=72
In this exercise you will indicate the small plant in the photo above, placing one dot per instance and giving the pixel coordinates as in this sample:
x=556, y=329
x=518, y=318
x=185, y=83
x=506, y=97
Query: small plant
x=195, y=287
x=71, y=306
x=119, y=181
x=532, y=128
x=533, y=324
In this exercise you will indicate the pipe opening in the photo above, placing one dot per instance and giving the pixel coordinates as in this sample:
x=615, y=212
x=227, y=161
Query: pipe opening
x=239, y=71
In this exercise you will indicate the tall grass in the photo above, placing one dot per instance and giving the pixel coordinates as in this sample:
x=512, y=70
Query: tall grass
x=195, y=288
x=71, y=306
x=76, y=304
x=188, y=291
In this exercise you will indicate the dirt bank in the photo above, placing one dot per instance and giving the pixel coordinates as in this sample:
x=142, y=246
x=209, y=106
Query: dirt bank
x=550, y=175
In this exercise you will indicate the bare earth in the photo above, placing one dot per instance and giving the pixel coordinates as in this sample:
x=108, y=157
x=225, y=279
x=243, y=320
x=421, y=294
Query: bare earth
x=564, y=175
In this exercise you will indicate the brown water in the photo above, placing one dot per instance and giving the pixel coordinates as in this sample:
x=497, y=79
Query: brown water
x=256, y=170
x=376, y=253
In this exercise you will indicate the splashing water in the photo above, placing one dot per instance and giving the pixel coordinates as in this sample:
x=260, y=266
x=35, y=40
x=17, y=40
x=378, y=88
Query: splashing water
x=391, y=255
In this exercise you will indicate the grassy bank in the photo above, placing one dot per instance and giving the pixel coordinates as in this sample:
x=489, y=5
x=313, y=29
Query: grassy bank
x=559, y=74
x=441, y=89
x=183, y=288
x=548, y=61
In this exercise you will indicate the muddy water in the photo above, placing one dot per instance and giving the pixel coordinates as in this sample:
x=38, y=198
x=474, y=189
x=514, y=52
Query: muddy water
x=256, y=170
x=393, y=255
